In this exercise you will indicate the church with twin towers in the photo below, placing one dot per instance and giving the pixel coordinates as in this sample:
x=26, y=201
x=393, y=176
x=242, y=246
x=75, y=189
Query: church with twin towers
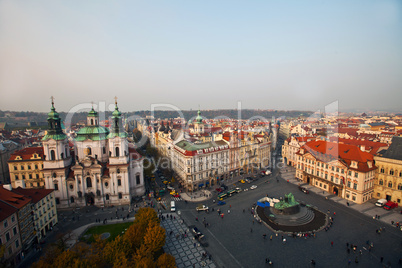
x=98, y=167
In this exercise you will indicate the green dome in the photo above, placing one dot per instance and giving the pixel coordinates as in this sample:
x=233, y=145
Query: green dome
x=116, y=112
x=198, y=119
x=53, y=114
x=94, y=133
x=93, y=113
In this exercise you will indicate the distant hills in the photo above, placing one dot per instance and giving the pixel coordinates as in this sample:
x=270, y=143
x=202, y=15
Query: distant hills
x=34, y=118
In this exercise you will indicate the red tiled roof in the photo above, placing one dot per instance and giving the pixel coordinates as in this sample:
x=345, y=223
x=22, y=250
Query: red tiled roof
x=35, y=194
x=343, y=152
x=6, y=211
x=13, y=199
x=27, y=153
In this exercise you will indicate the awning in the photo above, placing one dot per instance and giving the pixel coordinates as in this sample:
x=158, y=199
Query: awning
x=207, y=183
x=201, y=185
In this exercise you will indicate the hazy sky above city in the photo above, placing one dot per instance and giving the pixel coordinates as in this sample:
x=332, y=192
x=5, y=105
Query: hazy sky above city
x=208, y=54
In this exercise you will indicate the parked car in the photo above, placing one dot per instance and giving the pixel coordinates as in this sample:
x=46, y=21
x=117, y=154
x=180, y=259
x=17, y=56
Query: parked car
x=303, y=189
x=390, y=205
x=219, y=190
x=381, y=202
x=221, y=203
x=253, y=187
x=241, y=181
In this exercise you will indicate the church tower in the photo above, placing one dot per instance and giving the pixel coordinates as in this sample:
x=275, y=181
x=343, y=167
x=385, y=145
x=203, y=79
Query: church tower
x=198, y=124
x=118, y=144
x=57, y=156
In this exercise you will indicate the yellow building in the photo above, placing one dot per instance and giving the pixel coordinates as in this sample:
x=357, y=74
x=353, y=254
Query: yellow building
x=26, y=167
x=388, y=182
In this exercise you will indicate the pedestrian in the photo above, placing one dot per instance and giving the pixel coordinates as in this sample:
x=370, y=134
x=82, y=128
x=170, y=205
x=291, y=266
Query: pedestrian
x=332, y=243
x=334, y=213
x=381, y=259
x=251, y=230
x=270, y=238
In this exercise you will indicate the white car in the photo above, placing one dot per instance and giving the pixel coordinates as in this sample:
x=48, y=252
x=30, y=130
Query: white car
x=253, y=187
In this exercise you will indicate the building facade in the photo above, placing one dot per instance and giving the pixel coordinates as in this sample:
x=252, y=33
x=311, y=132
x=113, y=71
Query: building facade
x=340, y=169
x=388, y=182
x=10, y=238
x=43, y=208
x=26, y=167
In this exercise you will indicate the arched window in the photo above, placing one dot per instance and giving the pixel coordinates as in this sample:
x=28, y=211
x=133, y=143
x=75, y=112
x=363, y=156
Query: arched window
x=107, y=196
x=391, y=172
x=117, y=150
x=400, y=174
x=52, y=155
x=89, y=151
x=381, y=182
x=382, y=170
x=390, y=184
x=72, y=199
x=118, y=171
x=400, y=186
x=120, y=195
x=119, y=182
x=54, y=175
x=62, y=155
x=89, y=182
x=92, y=122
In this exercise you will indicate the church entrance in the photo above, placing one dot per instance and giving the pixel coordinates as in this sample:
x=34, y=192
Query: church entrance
x=90, y=198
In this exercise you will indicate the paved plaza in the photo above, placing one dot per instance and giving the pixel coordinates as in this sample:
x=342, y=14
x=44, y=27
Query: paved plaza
x=182, y=245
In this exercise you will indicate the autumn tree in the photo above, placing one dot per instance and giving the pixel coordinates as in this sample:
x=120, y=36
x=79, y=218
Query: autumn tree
x=166, y=261
x=154, y=238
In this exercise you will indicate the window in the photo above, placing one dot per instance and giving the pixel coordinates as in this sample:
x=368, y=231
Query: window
x=333, y=168
x=15, y=167
x=30, y=176
x=355, y=186
x=342, y=171
x=71, y=187
x=119, y=182
x=349, y=184
x=337, y=169
x=391, y=172
x=356, y=175
x=120, y=195
x=326, y=176
x=29, y=167
x=390, y=184
x=23, y=177
x=118, y=171
x=399, y=187
x=52, y=155
x=106, y=184
x=5, y=224
x=382, y=170
x=13, y=219
x=71, y=200
x=350, y=173
x=36, y=166
x=7, y=236
x=117, y=151
x=381, y=182
x=57, y=200
x=137, y=178
x=56, y=186
x=104, y=150
x=14, y=230
x=22, y=167
x=354, y=198
x=16, y=177
x=89, y=182
x=107, y=196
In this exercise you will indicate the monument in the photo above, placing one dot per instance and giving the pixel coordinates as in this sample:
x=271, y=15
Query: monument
x=289, y=215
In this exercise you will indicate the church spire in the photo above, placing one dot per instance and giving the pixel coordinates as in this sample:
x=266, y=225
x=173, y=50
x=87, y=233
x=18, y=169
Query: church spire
x=55, y=130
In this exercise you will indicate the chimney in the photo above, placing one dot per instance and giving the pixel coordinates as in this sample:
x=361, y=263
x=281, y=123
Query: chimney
x=7, y=187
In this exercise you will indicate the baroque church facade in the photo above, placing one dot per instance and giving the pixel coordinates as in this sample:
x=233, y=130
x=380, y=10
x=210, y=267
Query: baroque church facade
x=104, y=168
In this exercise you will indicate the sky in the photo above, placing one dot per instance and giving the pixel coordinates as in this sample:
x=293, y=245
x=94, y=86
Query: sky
x=286, y=55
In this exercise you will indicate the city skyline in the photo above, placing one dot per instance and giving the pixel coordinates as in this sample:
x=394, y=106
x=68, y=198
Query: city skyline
x=267, y=55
